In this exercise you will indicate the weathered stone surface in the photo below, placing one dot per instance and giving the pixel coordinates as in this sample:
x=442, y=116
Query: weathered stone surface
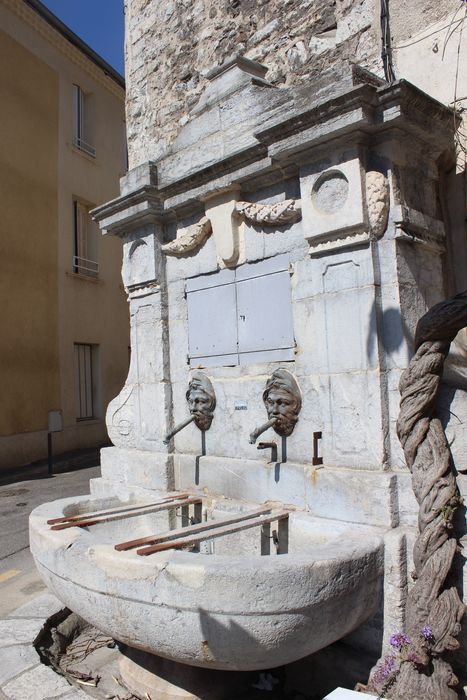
x=40, y=683
x=333, y=196
x=353, y=496
x=41, y=607
x=19, y=631
x=171, y=47
x=15, y=660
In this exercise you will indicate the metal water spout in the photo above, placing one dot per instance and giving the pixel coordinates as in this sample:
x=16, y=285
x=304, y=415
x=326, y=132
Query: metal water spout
x=262, y=429
x=177, y=429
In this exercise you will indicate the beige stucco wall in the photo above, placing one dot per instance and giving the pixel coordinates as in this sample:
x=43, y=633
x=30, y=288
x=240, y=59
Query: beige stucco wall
x=430, y=50
x=28, y=236
x=434, y=55
x=78, y=309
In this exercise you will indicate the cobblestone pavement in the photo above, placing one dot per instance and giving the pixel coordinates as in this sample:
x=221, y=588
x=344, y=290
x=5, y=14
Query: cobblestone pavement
x=22, y=675
x=25, y=604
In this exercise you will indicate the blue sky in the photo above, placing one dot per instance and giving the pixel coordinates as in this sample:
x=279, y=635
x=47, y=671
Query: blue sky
x=100, y=23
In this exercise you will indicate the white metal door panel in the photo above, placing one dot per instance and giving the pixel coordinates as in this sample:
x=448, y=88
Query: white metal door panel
x=264, y=308
x=247, y=271
x=282, y=355
x=216, y=279
x=212, y=323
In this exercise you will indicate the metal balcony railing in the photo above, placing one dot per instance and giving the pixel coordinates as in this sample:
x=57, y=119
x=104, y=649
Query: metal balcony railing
x=83, y=266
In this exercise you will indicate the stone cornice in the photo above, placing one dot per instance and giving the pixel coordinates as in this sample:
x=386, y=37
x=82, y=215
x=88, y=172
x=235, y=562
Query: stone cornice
x=416, y=227
x=28, y=15
x=358, y=115
x=403, y=104
x=361, y=96
x=138, y=208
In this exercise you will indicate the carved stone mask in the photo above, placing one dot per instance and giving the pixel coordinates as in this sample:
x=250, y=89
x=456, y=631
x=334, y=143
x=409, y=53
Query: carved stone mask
x=201, y=400
x=283, y=401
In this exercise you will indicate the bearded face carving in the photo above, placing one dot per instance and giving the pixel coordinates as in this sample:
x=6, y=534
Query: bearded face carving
x=283, y=401
x=201, y=400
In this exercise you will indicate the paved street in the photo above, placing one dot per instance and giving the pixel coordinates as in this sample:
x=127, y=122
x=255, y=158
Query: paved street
x=19, y=581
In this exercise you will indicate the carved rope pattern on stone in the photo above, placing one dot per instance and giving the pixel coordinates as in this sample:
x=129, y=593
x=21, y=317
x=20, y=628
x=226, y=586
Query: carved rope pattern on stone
x=430, y=603
x=192, y=239
x=277, y=214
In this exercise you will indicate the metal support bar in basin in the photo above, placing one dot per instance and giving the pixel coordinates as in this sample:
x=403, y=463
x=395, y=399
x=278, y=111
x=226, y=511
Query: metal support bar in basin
x=120, y=509
x=86, y=522
x=214, y=532
x=191, y=530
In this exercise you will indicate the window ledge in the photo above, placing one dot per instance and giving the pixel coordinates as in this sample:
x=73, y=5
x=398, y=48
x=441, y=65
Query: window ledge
x=84, y=278
x=87, y=156
x=88, y=421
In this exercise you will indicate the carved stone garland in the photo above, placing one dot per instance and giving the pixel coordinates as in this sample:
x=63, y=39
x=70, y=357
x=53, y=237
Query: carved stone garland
x=278, y=214
x=433, y=609
x=192, y=239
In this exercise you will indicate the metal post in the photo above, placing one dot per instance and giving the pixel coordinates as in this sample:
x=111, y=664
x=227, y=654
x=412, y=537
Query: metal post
x=266, y=539
x=49, y=454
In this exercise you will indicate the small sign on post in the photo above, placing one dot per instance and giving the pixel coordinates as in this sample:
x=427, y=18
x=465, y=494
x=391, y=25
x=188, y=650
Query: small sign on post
x=55, y=426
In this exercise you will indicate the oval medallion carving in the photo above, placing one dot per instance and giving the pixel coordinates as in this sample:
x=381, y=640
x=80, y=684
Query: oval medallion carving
x=330, y=192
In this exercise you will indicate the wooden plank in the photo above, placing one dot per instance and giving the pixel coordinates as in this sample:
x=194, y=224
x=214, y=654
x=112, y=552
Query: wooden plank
x=214, y=532
x=191, y=530
x=86, y=522
x=129, y=506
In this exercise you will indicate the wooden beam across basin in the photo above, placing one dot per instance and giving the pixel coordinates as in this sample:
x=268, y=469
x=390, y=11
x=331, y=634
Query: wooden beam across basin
x=156, y=507
x=191, y=530
x=214, y=531
x=128, y=506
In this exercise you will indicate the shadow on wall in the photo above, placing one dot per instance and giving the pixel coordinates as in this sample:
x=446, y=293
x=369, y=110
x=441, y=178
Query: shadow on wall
x=389, y=328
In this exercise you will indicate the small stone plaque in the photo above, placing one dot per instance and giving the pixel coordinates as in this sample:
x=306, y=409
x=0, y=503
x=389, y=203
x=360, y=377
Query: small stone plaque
x=241, y=406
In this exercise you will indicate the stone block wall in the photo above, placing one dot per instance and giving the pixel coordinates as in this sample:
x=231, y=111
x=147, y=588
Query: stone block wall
x=172, y=45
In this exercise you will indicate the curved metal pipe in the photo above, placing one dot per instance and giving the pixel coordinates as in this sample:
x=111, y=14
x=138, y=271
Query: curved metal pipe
x=177, y=429
x=262, y=429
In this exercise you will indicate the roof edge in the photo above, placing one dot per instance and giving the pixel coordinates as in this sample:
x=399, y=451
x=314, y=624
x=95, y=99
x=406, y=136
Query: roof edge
x=74, y=39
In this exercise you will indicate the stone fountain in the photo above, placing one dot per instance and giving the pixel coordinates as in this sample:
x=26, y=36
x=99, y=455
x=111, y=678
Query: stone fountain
x=255, y=506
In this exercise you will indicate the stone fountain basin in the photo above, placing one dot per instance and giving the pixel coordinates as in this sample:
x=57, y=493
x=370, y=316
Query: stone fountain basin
x=232, y=609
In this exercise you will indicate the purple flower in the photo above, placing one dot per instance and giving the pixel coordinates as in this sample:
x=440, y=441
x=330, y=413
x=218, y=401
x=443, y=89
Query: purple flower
x=385, y=668
x=427, y=632
x=414, y=657
x=399, y=640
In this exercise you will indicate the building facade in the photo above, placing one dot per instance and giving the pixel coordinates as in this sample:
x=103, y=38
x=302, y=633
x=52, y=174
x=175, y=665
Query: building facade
x=64, y=341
